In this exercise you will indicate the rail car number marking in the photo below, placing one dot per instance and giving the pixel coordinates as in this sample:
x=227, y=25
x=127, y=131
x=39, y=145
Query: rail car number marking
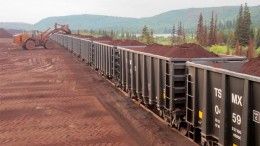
x=256, y=116
x=236, y=118
x=218, y=92
x=236, y=99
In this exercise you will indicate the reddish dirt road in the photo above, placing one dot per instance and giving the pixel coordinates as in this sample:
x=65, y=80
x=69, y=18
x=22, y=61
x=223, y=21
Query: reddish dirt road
x=49, y=97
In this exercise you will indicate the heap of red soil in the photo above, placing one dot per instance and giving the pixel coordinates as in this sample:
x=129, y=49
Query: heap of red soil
x=4, y=34
x=126, y=42
x=14, y=31
x=190, y=50
x=83, y=36
x=252, y=67
x=103, y=38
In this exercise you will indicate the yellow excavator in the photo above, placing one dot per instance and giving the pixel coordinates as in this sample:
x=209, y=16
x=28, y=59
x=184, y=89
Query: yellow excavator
x=30, y=40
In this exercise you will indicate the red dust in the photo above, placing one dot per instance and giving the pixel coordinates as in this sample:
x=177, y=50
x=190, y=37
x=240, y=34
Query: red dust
x=126, y=42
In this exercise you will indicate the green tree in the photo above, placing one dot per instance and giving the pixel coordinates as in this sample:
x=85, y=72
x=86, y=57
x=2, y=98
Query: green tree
x=112, y=34
x=179, y=33
x=215, y=30
x=122, y=34
x=228, y=47
x=243, y=28
x=147, y=36
x=173, y=39
x=128, y=36
x=200, y=31
x=257, y=38
x=205, y=36
x=238, y=31
x=151, y=39
x=211, y=30
x=246, y=26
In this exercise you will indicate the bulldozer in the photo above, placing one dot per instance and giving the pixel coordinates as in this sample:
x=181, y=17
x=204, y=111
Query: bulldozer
x=30, y=40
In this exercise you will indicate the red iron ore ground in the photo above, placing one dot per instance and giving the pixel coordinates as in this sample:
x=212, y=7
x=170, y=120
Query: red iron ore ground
x=49, y=97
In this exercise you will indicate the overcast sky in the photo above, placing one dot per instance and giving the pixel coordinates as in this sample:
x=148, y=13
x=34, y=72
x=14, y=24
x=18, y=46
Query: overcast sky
x=32, y=11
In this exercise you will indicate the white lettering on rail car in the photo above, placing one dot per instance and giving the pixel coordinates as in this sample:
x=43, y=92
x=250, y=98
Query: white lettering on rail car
x=217, y=123
x=218, y=92
x=237, y=136
x=217, y=110
x=256, y=116
x=236, y=118
x=236, y=130
x=236, y=99
x=237, y=133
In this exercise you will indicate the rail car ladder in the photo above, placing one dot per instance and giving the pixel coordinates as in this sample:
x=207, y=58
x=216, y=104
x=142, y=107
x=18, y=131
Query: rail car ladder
x=116, y=67
x=175, y=92
x=190, y=107
x=92, y=55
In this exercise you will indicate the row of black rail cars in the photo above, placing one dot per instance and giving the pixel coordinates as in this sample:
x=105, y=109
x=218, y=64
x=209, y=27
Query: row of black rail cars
x=212, y=106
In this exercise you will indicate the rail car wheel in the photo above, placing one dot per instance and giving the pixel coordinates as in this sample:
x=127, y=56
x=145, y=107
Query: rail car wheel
x=209, y=143
x=29, y=44
x=161, y=113
x=48, y=44
x=183, y=128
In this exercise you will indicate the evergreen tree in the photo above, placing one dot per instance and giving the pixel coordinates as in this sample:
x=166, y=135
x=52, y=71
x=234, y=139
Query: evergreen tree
x=127, y=35
x=205, y=36
x=257, y=39
x=252, y=34
x=173, y=35
x=245, y=37
x=151, y=39
x=147, y=37
x=179, y=33
x=112, y=34
x=122, y=34
x=243, y=31
x=183, y=35
x=200, y=31
x=211, y=30
x=228, y=47
x=238, y=31
x=215, y=30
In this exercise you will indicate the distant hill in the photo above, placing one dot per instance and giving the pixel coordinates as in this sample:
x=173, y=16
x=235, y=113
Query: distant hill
x=15, y=25
x=158, y=23
x=14, y=31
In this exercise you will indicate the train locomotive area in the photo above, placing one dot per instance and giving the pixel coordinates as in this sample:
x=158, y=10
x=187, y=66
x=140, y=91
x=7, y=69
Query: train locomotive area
x=99, y=91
